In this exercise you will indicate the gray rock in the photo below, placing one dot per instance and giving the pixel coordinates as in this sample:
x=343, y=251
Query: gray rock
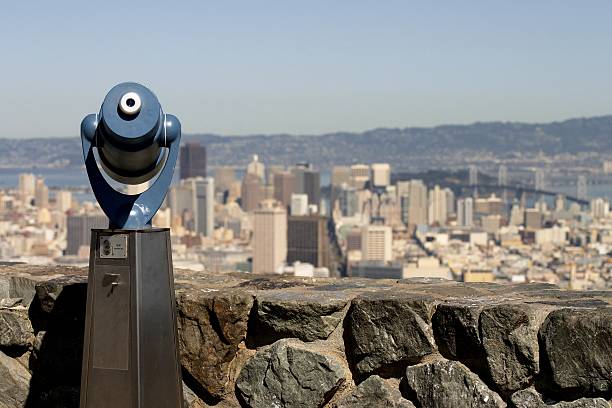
x=190, y=400
x=287, y=374
x=510, y=339
x=14, y=383
x=384, y=334
x=449, y=384
x=210, y=328
x=455, y=327
x=578, y=346
x=15, y=328
x=374, y=392
x=530, y=398
x=10, y=302
x=307, y=316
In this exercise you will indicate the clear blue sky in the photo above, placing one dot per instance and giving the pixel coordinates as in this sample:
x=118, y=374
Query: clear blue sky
x=239, y=67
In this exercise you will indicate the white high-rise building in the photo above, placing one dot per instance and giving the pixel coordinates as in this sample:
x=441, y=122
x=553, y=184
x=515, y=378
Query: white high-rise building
x=299, y=204
x=502, y=176
x=269, y=238
x=41, y=193
x=376, y=243
x=381, y=174
x=473, y=175
x=437, y=206
x=63, y=201
x=360, y=175
x=257, y=168
x=27, y=186
x=203, y=204
x=417, y=203
x=581, y=188
x=600, y=208
x=540, y=180
x=465, y=212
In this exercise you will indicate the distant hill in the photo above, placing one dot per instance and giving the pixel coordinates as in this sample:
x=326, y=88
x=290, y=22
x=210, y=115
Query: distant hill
x=408, y=148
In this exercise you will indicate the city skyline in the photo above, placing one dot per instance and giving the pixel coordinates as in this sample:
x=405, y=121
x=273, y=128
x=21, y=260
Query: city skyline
x=308, y=69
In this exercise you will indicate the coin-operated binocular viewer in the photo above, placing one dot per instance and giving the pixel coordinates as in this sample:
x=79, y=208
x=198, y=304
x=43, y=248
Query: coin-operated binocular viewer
x=130, y=355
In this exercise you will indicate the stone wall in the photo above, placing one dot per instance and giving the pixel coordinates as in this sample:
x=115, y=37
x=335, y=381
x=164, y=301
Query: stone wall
x=290, y=342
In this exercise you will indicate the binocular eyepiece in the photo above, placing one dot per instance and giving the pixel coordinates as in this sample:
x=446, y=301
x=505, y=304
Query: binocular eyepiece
x=135, y=142
x=132, y=134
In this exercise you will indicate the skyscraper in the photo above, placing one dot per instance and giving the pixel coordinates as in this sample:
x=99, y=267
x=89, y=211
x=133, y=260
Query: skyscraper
x=63, y=201
x=257, y=168
x=502, y=176
x=79, y=230
x=307, y=181
x=376, y=243
x=581, y=188
x=225, y=176
x=540, y=180
x=381, y=174
x=417, y=206
x=348, y=201
x=437, y=211
x=360, y=175
x=307, y=240
x=41, y=193
x=253, y=192
x=284, y=187
x=465, y=212
x=202, y=196
x=27, y=185
x=473, y=175
x=299, y=204
x=192, y=160
x=269, y=238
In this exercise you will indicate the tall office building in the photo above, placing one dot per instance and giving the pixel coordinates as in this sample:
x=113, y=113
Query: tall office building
x=340, y=175
x=284, y=187
x=308, y=181
x=27, y=186
x=79, y=230
x=253, y=191
x=308, y=240
x=417, y=205
x=299, y=204
x=473, y=175
x=381, y=174
x=225, y=177
x=202, y=203
x=257, y=168
x=465, y=212
x=192, y=160
x=376, y=243
x=348, y=200
x=180, y=200
x=502, y=176
x=581, y=188
x=63, y=201
x=41, y=193
x=360, y=175
x=540, y=180
x=269, y=238
x=437, y=212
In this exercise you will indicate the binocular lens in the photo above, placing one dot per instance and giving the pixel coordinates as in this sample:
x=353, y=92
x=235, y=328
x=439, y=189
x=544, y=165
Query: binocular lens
x=130, y=103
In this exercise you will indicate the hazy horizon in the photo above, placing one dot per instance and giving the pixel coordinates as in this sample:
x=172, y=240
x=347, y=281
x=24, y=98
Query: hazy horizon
x=311, y=68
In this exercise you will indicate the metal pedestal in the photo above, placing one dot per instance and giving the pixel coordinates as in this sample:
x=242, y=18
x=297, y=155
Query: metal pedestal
x=130, y=354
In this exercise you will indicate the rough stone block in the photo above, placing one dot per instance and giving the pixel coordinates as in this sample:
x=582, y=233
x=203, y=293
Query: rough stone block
x=578, y=347
x=14, y=383
x=374, y=392
x=289, y=375
x=509, y=336
x=385, y=333
x=449, y=384
x=210, y=328
x=305, y=315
